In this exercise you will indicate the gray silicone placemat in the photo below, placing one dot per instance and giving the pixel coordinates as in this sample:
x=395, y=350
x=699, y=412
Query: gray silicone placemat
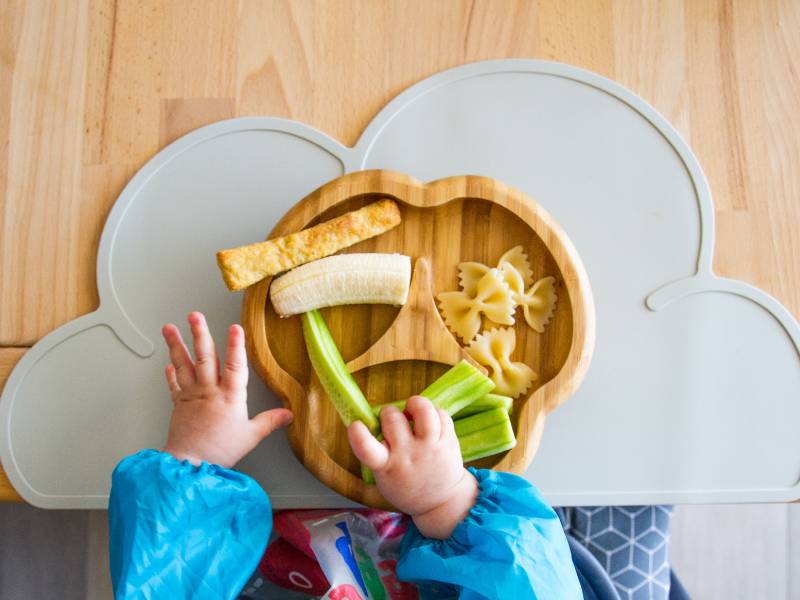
x=693, y=394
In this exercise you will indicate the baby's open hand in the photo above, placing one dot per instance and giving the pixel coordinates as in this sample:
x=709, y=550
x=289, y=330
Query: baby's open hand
x=209, y=418
x=420, y=470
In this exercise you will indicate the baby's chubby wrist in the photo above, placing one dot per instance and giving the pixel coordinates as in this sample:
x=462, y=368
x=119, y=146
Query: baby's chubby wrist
x=440, y=521
x=182, y=455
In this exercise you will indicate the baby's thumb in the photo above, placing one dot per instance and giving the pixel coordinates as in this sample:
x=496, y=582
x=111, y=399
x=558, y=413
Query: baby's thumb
x=366, y=447
x=268, y=421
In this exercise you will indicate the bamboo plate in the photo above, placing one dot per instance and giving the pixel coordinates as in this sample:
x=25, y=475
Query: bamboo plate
x=395, y=352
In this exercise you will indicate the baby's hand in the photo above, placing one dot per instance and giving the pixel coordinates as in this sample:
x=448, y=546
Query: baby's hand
x=209, y=418
x=419, y=471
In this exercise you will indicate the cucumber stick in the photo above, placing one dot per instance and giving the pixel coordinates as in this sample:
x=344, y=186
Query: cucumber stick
x=332, y=372
x=487, y=402
x=367, y=475
x=457, y=389
x=485, y=434
x=377, y=408
x=480, y=435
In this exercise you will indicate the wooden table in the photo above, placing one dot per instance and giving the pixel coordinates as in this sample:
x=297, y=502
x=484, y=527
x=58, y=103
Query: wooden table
x=90, y=90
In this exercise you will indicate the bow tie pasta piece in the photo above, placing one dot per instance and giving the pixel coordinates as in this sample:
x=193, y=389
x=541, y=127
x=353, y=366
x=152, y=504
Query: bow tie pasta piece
x=481, y=293
x=515, y=282
x=492, y=298
x=493, y=349
x=539, y=303
x=470, y=273
x=517, y=259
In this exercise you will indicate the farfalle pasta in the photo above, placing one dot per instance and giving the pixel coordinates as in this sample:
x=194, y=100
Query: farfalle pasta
x=493, y=349
x=515, y=282
x=469, y=273
x=517, y=258
x=538, y=300
x=492, y=298
x=539, y=303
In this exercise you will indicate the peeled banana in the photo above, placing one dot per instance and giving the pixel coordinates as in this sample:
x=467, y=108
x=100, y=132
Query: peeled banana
x=367, y=278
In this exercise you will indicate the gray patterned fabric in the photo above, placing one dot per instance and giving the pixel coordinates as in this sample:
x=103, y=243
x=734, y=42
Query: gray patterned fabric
x=631, y=542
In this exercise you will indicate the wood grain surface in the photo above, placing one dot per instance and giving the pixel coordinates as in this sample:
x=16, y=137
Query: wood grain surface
x=8, y=358
x=90, y=90
x=444, y=223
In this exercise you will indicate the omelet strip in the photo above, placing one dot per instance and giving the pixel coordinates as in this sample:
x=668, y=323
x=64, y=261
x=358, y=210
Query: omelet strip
x=242, y=267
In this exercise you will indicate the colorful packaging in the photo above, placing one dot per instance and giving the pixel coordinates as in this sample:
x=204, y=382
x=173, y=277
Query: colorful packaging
x=330, y=541
x=286, y=566
x=334, y=555
x=376, y=537
x=288, y=570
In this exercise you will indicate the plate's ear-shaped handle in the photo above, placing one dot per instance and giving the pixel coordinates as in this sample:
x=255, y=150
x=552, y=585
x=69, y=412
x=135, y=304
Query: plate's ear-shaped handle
x=418, y=332
x=408, y=190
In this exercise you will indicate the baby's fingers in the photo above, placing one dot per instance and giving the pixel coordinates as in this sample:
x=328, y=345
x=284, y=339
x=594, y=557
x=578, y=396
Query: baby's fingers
x=172, y=380
x=179, y=355
x=268, y=421
x=427, y=423
x=448, y=428
x=234, y=377
x=366, y=448
x=395, y=427
x=204, y=350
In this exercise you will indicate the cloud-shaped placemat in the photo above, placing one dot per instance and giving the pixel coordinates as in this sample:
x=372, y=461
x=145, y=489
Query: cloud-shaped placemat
x=695, y=383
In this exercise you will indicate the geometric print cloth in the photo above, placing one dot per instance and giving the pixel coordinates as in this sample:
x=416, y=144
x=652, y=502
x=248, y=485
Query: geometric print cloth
x=630, y=542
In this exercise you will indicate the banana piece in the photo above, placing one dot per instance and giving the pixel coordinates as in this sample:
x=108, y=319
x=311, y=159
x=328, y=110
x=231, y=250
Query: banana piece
x=367, y=278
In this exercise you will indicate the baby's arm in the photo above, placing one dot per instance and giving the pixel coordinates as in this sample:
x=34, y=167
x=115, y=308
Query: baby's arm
x=490, y=534
x=182, y=524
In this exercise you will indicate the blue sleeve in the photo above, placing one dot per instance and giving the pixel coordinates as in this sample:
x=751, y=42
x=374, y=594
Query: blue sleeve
x=180, y=531
x=510, y=545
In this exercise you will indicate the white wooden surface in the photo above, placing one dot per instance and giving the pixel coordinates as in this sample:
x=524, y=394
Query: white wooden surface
x=793, y=551
x=738, y=551
x=98, y=578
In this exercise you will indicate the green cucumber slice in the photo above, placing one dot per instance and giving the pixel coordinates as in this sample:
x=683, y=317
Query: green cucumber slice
x=480, y=421
x=456, y=389
x=488, y=402
x=367, y=475
x=488, y=442
x=485, y=434
x=336, y=380
x=376, y=408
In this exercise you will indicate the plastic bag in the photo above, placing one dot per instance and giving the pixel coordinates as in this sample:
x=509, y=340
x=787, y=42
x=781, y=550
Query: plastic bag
x=332, y=554
x=375, y=538
x=330, y=541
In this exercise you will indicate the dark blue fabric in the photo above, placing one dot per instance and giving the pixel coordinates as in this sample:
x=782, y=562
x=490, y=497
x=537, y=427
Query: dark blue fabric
x=676, y=589
x=510, y=545
x=631, y=523
x=595, y=582
x=631, y=543
x=180, y=531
